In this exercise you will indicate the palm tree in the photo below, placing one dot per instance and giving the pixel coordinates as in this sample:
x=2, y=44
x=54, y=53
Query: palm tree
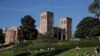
x=94, y=7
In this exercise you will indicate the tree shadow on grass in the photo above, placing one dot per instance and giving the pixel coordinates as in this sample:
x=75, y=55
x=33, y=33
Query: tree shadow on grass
x=23, y=54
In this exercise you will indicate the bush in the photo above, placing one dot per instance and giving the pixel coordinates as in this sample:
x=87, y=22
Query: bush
x=23, y=54
x=59, y=46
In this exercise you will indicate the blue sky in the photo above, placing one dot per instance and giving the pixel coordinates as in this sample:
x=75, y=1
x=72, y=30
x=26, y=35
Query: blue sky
x=11, y=11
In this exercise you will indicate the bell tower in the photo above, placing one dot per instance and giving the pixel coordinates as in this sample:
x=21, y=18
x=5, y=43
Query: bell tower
x=46, y=22
x=66, y=23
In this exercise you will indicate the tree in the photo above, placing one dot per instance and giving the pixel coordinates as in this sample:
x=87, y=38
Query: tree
x=85, y=26
x=95, y=31
x=2, y=38
x=94, y=7
x=28, y=29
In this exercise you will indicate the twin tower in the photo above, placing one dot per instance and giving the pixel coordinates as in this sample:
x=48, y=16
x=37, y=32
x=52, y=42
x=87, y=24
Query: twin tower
x=64, y=32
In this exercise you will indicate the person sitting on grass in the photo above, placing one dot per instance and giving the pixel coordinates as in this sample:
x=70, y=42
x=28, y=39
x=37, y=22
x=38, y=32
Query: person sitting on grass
x=97, y=50
x=77, y=48
x=88, y=54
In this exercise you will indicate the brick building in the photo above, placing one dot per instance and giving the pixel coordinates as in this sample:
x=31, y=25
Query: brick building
x=47, y=26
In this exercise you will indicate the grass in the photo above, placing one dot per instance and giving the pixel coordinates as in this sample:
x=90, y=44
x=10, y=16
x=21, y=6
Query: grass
x=25, y=47
x=6, y=53
x=74, y=52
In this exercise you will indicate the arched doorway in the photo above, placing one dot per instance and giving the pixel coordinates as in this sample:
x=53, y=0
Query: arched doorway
x=63, y=37
x=55, y=36
x=59, y=35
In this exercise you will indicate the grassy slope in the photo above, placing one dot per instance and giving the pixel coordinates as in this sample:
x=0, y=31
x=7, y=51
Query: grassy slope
x=37, y=45
x=73, y=52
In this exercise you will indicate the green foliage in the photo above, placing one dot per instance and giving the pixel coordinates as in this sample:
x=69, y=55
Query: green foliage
x=95, y=31
x=74, y=52
x=2, y=38
x=85, y=26
x=88, y=43
x=6, y=53
x=28, y=28
x=94, y=7
x=67, y=45
x=46, y=37
x=41, y=36
x=23, y=54
x=22, y=44
x=29, y=47
x=44, y=54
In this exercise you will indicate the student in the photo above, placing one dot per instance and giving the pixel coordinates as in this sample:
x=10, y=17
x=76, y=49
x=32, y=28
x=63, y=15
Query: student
x=88, y=54
x=97, y=50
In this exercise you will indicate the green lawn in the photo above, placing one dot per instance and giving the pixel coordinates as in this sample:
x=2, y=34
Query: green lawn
x=74, y=52
x=32, y=48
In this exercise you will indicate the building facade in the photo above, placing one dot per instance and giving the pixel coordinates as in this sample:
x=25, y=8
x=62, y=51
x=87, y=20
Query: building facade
x=47, y=26
x=11, y=35
x=66, y=23
x=46, y=22
x=64, y=32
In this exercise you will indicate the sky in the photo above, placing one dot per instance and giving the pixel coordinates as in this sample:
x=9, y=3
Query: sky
x=11, y=11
